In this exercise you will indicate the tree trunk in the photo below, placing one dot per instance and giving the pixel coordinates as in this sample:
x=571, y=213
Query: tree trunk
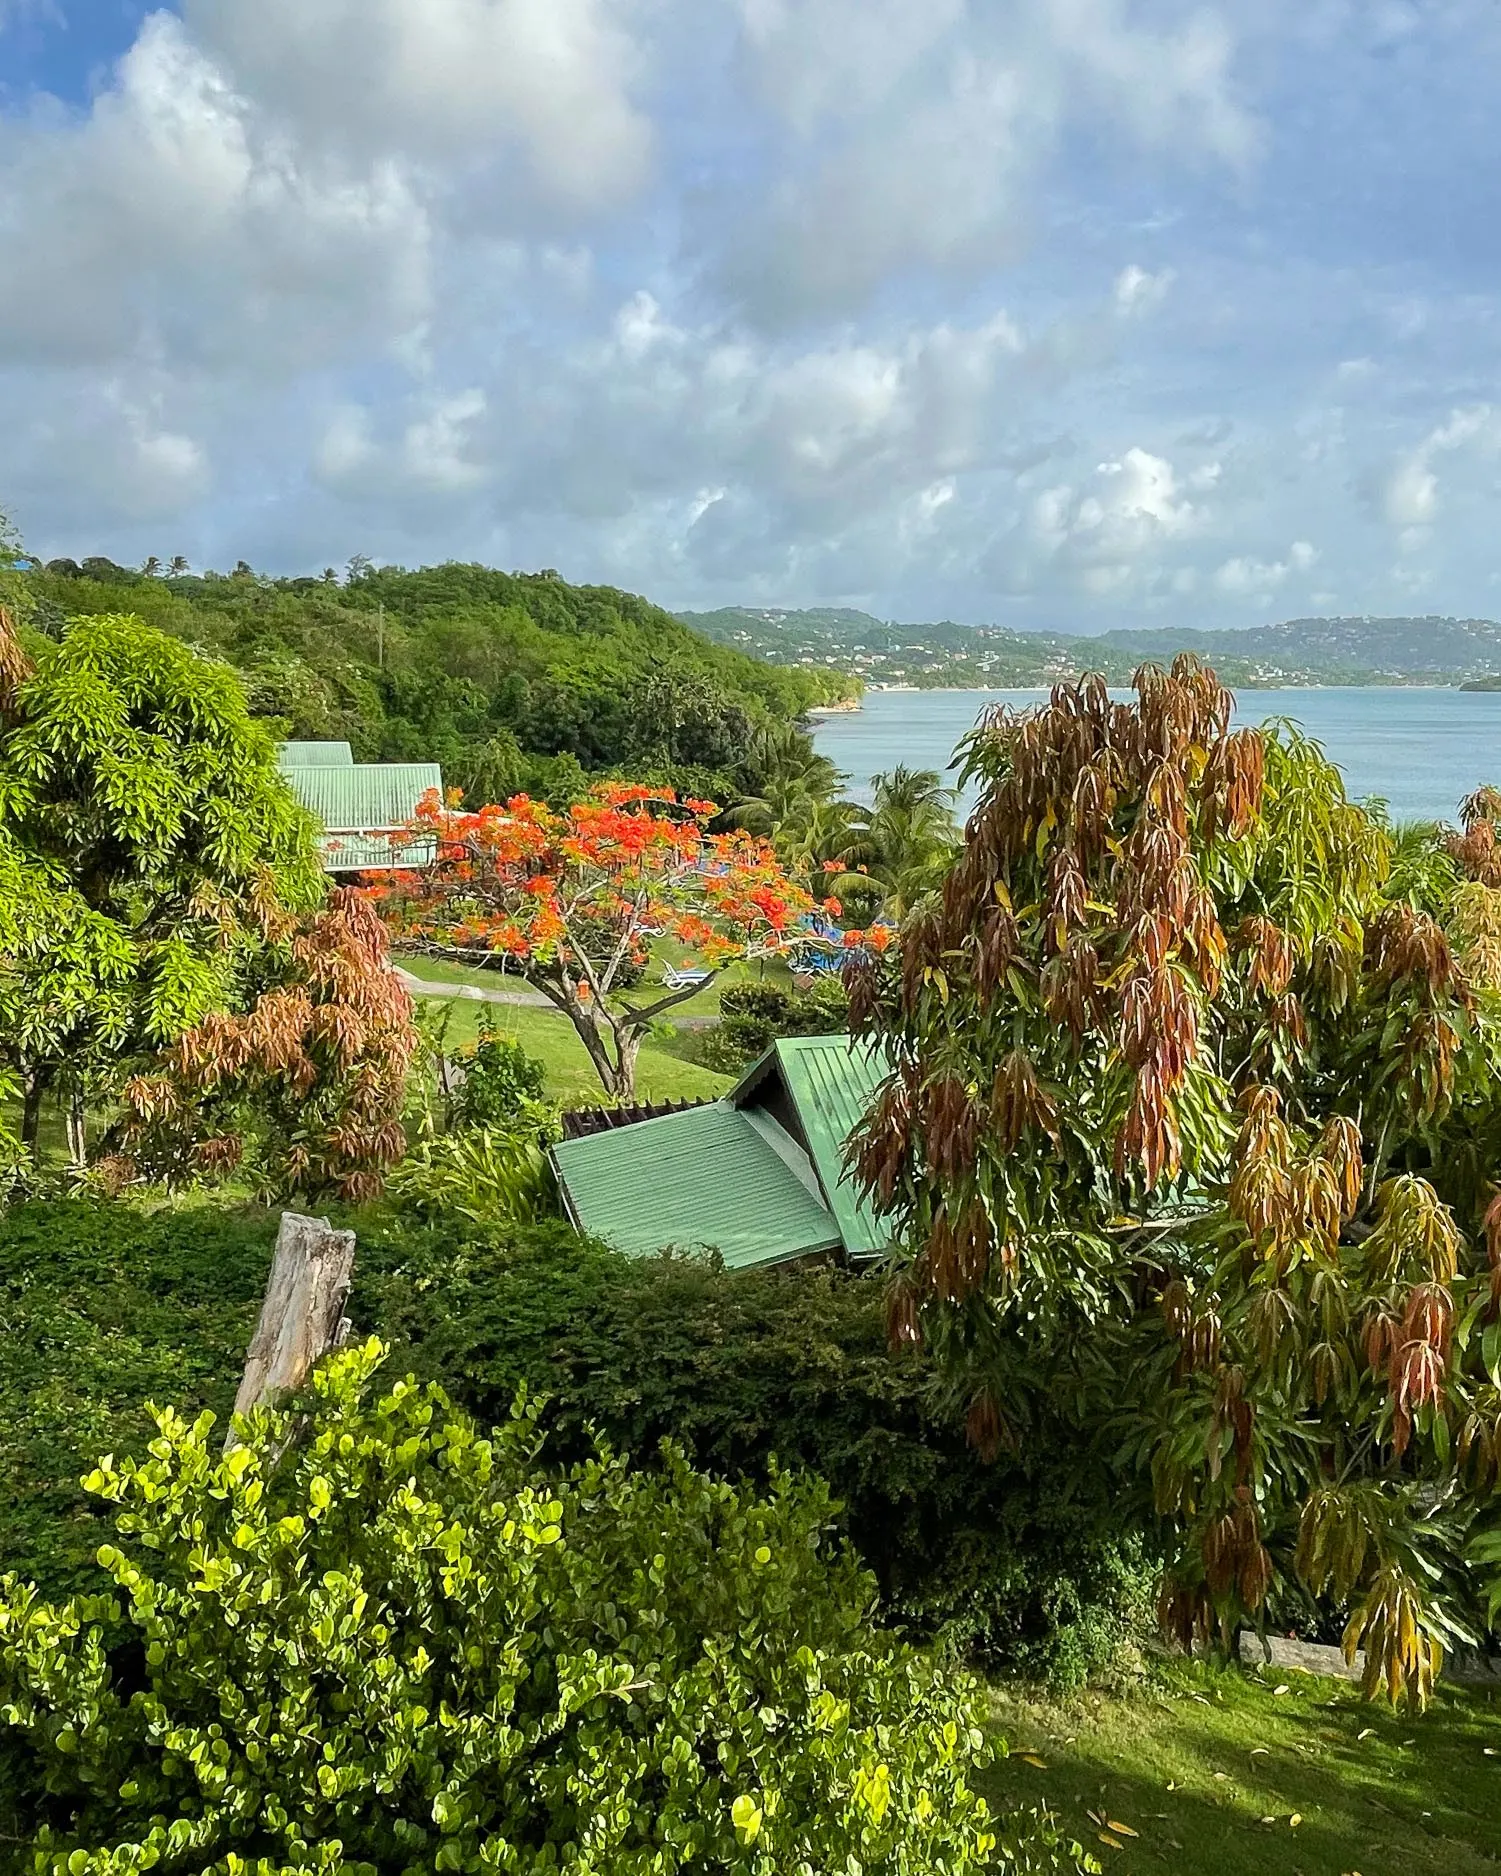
x=31, y=1113
x=302, y=1316
x=78, y=1130
x=627, y=1048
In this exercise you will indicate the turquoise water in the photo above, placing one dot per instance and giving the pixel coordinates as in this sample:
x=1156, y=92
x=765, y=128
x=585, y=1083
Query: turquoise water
x=1422, y=751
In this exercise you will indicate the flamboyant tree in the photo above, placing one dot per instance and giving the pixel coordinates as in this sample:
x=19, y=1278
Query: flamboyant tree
x=571, y=902
x=147, y=845
x=1191, y=1132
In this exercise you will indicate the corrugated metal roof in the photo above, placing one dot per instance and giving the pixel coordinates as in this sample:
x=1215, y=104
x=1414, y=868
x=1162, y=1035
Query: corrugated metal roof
x=704, y=1179
x=366, y=798
x=315, y=755
x=831, y=1081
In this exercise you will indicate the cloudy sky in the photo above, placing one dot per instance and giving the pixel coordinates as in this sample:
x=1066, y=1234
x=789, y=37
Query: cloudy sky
x=1073, y=313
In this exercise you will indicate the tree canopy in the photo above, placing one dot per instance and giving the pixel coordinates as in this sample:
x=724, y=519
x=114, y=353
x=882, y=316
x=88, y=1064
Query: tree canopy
x=147, y=845
x=572, y=901
x=509, y=681
x=1192, y=1124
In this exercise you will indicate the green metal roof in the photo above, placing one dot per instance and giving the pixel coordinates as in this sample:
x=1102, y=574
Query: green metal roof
x=359, y=803
x=709, y=1178
x=315, y=755
x=831, y=1081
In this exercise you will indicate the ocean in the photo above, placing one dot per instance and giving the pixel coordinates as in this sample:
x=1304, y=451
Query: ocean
x=1421, y=750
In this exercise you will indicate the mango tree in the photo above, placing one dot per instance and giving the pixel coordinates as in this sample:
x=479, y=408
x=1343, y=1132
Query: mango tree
x=1191, y=1134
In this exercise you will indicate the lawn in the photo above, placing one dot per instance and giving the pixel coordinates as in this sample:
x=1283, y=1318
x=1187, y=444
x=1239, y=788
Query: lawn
x=705, y=1004
x=1275, y=1773
x=662, y=1073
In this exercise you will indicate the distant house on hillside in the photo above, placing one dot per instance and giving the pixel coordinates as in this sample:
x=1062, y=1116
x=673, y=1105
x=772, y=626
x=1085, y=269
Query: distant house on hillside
x=757, y=1176
x=359, y=804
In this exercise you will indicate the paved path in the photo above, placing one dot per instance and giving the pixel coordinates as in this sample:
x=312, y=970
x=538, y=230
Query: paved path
x=525, y=999
x=472, y=993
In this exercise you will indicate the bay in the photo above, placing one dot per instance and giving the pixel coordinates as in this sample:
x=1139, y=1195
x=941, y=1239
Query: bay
x=1421, y=750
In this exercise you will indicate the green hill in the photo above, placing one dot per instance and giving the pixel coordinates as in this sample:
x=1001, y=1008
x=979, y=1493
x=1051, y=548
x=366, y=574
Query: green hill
x=507, y=680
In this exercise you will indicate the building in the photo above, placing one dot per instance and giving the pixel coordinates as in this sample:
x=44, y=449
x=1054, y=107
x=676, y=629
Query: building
x=758, y=1175
x=360, y=805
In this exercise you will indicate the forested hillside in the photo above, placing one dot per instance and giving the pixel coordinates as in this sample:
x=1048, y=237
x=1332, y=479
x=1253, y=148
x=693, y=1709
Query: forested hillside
x=507, y=680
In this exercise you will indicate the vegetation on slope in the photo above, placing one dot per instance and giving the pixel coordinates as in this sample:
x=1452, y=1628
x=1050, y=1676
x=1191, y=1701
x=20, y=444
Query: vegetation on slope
x=944, y=654
x=507, y=680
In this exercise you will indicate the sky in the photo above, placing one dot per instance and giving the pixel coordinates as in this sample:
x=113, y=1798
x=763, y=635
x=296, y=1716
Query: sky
x=1065, y=314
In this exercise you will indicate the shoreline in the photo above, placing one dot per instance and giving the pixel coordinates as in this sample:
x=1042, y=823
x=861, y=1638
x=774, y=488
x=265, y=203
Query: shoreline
x=1467, y=686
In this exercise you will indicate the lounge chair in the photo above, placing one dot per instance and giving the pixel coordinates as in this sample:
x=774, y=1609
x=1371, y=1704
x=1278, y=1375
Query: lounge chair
x=688, y=979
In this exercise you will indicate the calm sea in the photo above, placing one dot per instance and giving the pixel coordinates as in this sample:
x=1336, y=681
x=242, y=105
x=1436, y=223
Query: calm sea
x=1421, y=750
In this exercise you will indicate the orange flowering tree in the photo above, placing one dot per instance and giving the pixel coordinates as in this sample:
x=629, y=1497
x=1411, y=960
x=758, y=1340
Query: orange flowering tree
x=571, y=902
x=1193, y=1133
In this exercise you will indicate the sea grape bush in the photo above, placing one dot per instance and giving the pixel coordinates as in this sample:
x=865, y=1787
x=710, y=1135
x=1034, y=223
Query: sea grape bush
x=1192, y=1124
x=408, y=1648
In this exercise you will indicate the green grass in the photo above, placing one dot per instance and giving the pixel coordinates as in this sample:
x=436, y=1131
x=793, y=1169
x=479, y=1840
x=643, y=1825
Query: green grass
x=1211, y=1767
x=661, y=1072
x=705, y=1004
x=664, y=1071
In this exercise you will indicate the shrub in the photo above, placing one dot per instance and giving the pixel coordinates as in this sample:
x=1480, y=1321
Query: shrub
x=1020, y=1562
x=487, y=1175
x=411, y=1648
x=107, y=1307
x=756, y=1014
x=499, y=1080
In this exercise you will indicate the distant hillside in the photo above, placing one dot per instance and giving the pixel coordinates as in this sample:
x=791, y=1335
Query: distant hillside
x=1298, y=651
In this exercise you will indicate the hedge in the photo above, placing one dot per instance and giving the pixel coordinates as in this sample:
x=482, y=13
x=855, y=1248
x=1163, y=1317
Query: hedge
x=1025, y=1563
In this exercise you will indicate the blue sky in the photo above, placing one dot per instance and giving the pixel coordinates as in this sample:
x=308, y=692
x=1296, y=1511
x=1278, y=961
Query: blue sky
x=1066, y=313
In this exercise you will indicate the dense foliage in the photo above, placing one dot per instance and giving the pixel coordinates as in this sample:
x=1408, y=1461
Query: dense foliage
x=754, y=1015
x=569, y=900
x=510, y=681
x=1192, y=1126
x=306, y=1087
x=1027, y=1563
x=409, y=1648
x=148, y=848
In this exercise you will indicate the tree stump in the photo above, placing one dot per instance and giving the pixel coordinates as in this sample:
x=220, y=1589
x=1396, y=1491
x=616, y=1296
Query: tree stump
x=302, y=1318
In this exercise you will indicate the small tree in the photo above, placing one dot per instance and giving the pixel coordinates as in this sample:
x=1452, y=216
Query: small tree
x=410, y=1648
x=571, y=902
x=148, y=848
x=312, y=1077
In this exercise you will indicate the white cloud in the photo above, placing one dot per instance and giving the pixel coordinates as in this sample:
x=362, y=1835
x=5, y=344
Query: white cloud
x=1243, y=577
x=707, y=300
x=1411, y=495
x=450, y=82
x=174, y=222
x=1111, y=533
x=1138, y=291
x=918, y=125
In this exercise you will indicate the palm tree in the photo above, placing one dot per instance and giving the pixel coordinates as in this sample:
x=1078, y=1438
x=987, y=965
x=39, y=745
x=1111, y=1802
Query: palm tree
x=908, y=839
x=151, y=567
x=793, y=778
x=178, y=566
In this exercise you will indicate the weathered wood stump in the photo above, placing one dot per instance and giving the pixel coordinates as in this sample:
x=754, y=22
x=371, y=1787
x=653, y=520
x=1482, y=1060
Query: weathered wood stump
x=302, y=1318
